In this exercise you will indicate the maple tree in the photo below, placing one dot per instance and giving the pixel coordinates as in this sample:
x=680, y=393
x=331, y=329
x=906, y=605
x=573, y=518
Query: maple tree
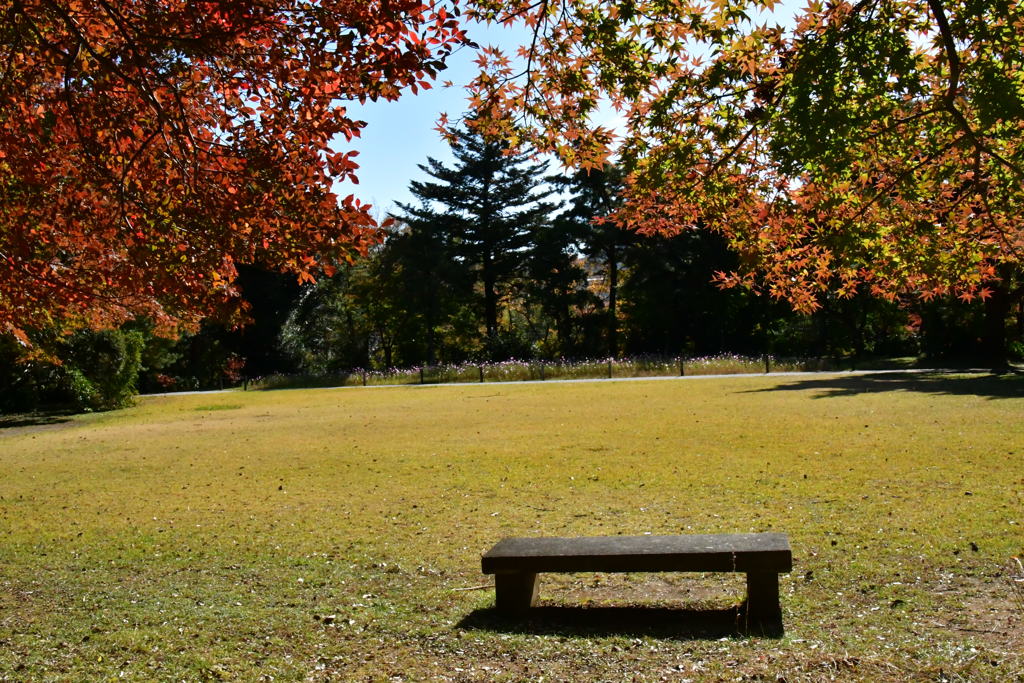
x=873, y=146
x=147, y=146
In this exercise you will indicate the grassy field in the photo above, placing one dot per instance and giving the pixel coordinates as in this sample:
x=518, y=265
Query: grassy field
x=336, y=534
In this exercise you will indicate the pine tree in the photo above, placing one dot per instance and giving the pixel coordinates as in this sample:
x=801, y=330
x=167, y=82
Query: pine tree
x=597, y=194
x=485, y=210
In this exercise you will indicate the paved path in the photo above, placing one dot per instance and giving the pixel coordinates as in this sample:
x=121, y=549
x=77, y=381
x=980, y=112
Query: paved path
x=836, y=373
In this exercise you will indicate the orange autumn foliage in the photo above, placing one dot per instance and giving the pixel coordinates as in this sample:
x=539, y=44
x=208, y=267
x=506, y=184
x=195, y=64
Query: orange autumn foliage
x=147, y=146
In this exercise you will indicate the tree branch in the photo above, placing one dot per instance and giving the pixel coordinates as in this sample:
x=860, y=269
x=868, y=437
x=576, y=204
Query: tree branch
x=949, y=100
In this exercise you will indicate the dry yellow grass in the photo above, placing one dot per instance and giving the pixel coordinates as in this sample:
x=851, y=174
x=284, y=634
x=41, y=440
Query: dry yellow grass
x=326, y=533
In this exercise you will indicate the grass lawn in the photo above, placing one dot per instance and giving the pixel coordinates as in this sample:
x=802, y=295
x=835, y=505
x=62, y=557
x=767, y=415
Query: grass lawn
x=336, y=534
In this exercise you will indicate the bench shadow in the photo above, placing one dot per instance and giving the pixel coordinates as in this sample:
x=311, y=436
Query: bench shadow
x=991, y=386
x=669, y=623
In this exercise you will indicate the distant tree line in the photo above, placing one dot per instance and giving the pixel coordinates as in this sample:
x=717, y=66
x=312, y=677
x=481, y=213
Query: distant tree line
x=497, y=259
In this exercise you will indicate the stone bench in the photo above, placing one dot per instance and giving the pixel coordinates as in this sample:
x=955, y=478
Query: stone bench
x=515, y=563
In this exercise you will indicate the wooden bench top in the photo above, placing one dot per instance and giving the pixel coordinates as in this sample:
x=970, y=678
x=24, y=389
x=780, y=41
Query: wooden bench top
x=765, y=552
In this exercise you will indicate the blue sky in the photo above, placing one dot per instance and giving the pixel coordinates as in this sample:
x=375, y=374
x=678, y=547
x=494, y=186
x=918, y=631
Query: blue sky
x=400, y=135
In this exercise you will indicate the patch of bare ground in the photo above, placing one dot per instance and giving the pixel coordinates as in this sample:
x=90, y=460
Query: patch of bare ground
x=704, y=591
x=990, y=614
x=463, y=659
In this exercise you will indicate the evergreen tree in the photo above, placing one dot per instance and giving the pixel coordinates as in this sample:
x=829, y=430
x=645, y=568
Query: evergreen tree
x=484, y=212
x=557, y=287
x=429, y=292
x=597, y=193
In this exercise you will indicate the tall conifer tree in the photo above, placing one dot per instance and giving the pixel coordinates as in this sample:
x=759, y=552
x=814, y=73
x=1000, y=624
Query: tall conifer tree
x=597, y=194
x=486, y=209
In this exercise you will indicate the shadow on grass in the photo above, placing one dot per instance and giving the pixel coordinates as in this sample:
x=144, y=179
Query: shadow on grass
x=34, y=419
x=989, y=385
x=657, y=622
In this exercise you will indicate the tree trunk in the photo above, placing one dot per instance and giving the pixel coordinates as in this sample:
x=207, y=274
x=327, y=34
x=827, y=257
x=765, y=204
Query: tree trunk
x=490, y=300
x=563, y=323
x=432, y=315
x=613, y=294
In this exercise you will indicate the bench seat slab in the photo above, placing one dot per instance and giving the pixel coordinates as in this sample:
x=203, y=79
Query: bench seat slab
x=765, y=552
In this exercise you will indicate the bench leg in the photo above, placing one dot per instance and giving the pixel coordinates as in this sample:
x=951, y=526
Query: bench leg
x=763, y=597
x=515, y=592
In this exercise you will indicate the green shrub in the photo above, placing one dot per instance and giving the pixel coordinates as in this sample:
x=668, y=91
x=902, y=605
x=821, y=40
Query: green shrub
x=101, y=368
